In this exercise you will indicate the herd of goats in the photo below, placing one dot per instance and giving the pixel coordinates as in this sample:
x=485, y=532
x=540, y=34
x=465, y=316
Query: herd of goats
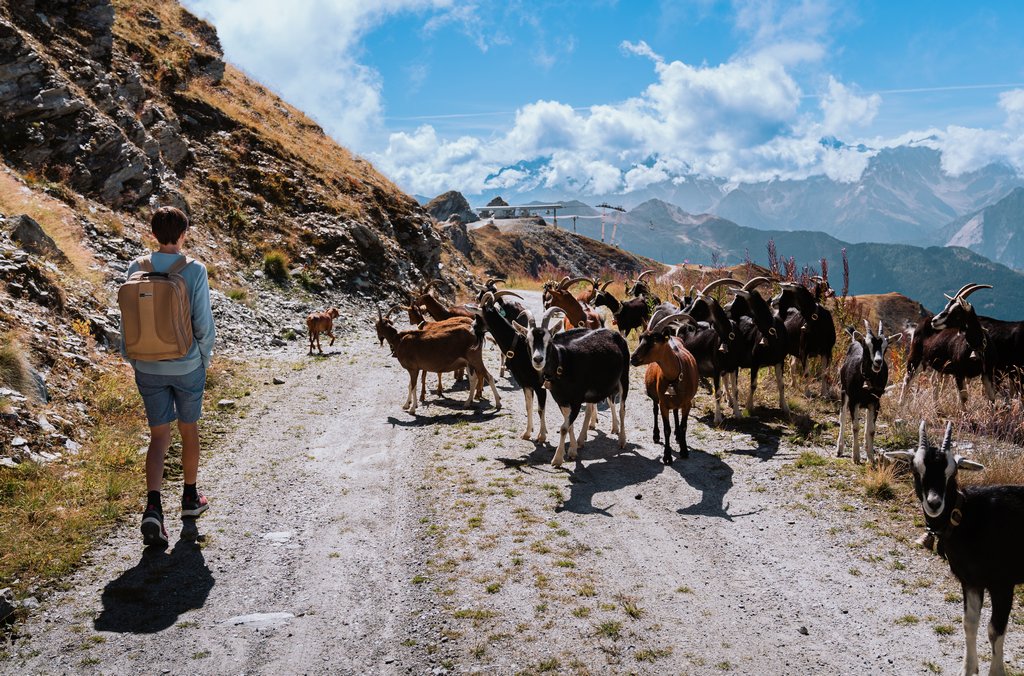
x=571, y=355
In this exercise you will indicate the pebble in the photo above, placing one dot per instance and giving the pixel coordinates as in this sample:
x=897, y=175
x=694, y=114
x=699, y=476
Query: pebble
x=226, y=403
x=278, y=380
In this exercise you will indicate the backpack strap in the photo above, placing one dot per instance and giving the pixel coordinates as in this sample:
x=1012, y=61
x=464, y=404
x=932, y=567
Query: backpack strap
x=179, y=265
x=145, y=263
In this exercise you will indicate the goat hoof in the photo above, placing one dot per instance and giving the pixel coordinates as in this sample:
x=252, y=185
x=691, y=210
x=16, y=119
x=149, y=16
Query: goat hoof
x=667, y=459
x=541, y=438
x=526, y=435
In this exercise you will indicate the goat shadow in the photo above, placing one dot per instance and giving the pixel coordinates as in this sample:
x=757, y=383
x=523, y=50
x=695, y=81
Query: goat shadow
x=766, y=428
x=620, y=468
x=474, y=414
x=712, y=477
x=150, y=596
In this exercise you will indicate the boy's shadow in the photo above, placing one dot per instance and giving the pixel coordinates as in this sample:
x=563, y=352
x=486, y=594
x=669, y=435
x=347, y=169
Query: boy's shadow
x=149, y=597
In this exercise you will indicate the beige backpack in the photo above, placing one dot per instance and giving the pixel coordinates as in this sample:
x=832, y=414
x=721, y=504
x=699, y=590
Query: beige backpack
x=156, y=315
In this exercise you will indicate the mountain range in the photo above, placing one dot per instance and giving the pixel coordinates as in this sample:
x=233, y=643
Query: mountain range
x=903, y=196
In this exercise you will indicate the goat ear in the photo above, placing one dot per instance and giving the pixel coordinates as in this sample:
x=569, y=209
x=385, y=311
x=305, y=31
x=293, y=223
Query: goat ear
x=969, y=465
x=895, y=338
x=521, y=330
x=900, y=455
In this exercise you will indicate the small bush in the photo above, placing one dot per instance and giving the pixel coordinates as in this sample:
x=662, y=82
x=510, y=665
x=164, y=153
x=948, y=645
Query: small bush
x=238, y=294
x=879, y=482
x=275, y=265
x=15, y=372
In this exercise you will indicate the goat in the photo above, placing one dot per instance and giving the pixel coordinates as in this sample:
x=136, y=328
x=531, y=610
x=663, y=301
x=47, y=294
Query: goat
x=670, y=378
x=437, y=348
x=960, y=351
x=979, y=530
x=627, y=316
x=518, y=358
x=580, y=366
x=321, y=322
x=684, y=298
x=424, y=299
x=1004, y=341
x=862, y=381
x=416, y=319
x=809, y=328
x=715, y=343
x=765, y=333
x=576, y=314
x=639, y=288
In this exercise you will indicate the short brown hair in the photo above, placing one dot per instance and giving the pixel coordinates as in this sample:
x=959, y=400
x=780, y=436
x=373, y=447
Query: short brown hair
x=168, y=223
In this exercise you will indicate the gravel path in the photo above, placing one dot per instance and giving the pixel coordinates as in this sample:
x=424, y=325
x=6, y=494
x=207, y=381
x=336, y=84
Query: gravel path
x=346, y=536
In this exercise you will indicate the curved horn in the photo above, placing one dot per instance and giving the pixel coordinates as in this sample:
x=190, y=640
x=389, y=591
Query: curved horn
x=947, y=438
x=433, y=284
x=682, y=291
x=561, y=284
x=922, y=438
x=391, y=310
x=575, y=280
x=487, y=299
x=724, y=281
x=505, y=292
x=548, y=314
x=963, y=294
x=643, y=274
x=962, y=289
x=604, y=287
x=666, y=322
x=755, y=282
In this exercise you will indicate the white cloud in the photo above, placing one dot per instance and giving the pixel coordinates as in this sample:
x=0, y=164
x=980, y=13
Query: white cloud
x=1012, y=103
x=308, y=51
x=845, y=111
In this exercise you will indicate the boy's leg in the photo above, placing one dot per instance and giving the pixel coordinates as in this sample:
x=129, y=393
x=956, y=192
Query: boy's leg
x=159, y=442
x=189, y=450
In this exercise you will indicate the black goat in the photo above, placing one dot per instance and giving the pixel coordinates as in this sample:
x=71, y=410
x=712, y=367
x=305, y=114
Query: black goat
x=810, y=331
x=517, y=357
x=979, y=531
x=863, y=378
x=715, y=343
x=961, y=351
x=765, y=332
x=629, y=315
x=580, y=366
x=1004, y=353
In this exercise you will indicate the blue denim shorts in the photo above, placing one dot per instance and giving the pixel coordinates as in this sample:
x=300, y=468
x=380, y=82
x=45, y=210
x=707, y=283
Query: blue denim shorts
x=170, y=398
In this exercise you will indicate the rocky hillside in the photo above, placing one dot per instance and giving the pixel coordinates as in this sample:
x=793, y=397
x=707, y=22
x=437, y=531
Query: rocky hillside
x=996, y=232
x=109, y=108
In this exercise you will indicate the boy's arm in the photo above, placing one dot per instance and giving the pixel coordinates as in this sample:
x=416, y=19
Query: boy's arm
x=203, y=329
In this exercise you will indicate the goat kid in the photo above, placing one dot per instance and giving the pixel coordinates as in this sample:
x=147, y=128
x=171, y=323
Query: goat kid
x=863, y=378
x=321, y=322
x=670, y=378
x=979, y=531
x=580, y=366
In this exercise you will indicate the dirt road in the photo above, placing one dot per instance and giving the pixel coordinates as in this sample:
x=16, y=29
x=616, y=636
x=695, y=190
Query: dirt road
x=347, y=536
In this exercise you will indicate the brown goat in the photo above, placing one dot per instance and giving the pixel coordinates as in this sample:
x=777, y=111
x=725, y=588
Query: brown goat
x=577, y=315
x=321, y=322
x=437, y=348
x=671, y=377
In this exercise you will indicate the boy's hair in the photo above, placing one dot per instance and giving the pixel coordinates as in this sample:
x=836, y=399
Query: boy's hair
x=168, y=223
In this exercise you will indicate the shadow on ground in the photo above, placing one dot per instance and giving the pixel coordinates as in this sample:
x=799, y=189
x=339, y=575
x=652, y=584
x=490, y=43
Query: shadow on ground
x=152, y=595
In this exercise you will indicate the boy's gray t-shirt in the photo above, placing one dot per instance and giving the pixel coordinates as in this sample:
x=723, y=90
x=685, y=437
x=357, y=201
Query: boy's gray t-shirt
x=203, y=331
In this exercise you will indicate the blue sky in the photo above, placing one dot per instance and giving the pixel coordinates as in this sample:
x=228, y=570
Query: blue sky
x=613, y=95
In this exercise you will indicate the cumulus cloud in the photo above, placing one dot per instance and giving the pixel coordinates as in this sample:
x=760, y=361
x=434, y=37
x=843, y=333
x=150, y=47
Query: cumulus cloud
x=307, y=53
x=845, y=111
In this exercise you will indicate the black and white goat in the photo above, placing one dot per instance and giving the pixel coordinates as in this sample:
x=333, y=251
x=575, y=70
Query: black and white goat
x=979, y=531
x=629, y=315
x=863, y=378
x=810, y=330
x=517, y=356
x=580, y=366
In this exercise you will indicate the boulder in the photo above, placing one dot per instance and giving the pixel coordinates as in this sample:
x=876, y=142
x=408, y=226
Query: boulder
x=449, y=204
x=30, y=235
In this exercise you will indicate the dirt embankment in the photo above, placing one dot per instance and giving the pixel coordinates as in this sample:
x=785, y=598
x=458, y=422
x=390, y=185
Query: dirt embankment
x=347, y=536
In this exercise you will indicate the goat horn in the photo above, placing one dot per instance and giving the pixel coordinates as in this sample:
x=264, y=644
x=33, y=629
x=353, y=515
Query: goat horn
x=491, y=281
x=880, y=328
x=394, y=308
x=724, y=281
x=548, y=314
x=487, y=299
x=974, y=287
x=604, y=287
x=561, y=284
x=755, y=282
x=680, y=287
x=574, y=280
x=505, y=292
x=434, y=284
x=644, y=274
x=922, y=437
x=867, y=328
x=666, y=322
x=962, y=289
x=947, y=438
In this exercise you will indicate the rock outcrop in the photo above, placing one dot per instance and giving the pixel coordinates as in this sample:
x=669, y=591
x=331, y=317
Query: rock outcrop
x=449, y=204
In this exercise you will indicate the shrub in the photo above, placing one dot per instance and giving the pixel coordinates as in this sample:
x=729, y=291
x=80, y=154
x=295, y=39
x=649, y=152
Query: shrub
x=275, y=265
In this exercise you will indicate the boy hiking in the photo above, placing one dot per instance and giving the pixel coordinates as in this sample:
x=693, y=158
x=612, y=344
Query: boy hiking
x=167, y=335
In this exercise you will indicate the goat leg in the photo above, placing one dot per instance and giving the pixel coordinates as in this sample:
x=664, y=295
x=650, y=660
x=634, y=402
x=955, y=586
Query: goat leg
x=717, y=379
x=855, y=428
x=541, y=401
x=584, y=429
x=657, y=414
x=410, y=400
x=870, y=413
x=528, y=393
x=682, y=418
x=611, y=409
x=562, y=432
x=842, y=418
x=1002, y=601
x=753, y=386
x=973, y=597
x=782, y=391
x=667, y=457
x=622, y=419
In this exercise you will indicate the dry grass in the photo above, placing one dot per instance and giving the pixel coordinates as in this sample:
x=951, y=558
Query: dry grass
x=14, y=365
x=55, y=218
